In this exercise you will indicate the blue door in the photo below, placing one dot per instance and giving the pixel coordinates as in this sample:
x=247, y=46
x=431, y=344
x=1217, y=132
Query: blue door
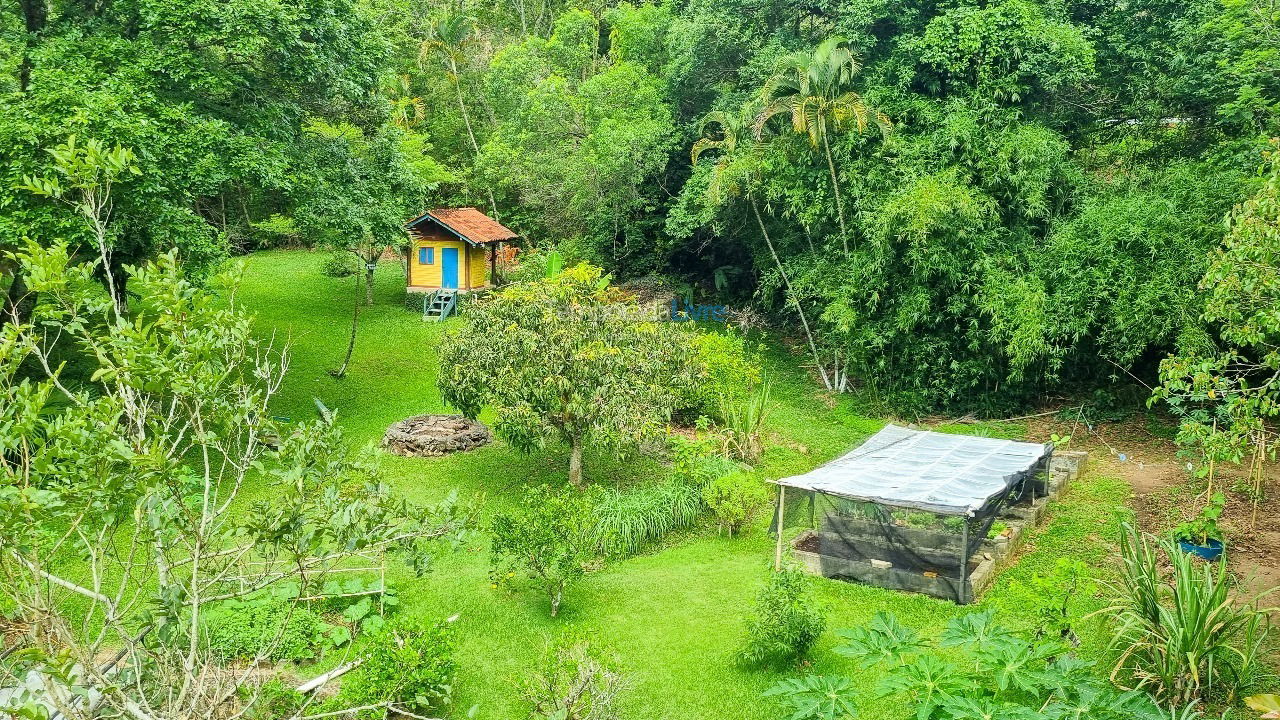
x=449, y=268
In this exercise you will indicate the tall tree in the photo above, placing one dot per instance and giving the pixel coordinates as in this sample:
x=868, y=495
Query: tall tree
x=564, y=359
x=814, y=89
x=736, y=171
x=448, y=43
x=359, y=189
x=1229, y=396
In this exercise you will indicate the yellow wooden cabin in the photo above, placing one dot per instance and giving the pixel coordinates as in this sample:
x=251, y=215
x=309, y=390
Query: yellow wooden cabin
x=453, y=249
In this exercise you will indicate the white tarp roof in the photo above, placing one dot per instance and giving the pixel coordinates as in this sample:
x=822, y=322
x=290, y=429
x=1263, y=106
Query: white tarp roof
x=938, y=472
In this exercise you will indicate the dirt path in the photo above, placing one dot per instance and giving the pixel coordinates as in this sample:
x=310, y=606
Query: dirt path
x=1165, y=493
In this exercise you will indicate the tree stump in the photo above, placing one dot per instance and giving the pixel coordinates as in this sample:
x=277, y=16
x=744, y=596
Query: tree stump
x=435, y=435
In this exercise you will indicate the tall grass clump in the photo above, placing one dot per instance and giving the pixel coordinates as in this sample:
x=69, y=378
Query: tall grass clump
x=742, y=421
x=1183, y=634
x=631, y=519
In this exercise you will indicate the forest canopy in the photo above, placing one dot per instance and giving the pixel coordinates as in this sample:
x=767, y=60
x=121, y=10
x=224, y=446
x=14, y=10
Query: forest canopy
x=968, y=204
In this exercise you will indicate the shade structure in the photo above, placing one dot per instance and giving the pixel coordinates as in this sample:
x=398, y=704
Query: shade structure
x=910, y=509
x=924, y=470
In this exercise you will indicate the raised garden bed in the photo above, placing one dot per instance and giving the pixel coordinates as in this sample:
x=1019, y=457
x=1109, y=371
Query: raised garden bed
x=992, y=555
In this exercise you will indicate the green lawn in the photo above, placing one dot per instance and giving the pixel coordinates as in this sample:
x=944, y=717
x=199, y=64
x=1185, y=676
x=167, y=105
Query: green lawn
x=673, y=616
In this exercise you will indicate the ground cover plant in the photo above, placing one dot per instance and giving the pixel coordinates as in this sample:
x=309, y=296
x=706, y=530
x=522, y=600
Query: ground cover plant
x=990, y=673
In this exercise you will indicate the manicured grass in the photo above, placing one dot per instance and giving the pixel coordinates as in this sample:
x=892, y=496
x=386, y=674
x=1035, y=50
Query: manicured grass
x=673, y=616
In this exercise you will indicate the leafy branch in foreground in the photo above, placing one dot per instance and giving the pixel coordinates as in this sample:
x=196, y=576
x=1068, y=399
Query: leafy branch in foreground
x=124, y=515
x=975, y=670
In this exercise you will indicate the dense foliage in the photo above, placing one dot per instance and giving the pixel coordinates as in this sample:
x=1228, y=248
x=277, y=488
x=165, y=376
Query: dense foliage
x=1226, y=392
x=1047, y=188
x=786, y=622
x=408, y=668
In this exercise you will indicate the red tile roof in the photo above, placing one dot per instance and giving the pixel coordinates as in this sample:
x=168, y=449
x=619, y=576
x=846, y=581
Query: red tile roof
x=467, y=223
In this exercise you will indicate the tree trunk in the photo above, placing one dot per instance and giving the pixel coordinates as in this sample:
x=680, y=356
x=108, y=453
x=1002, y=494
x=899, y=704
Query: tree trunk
x=466, y=120
x=556, y=594
x=368, y=283
x=804, y=322
x=36, y=15
x=835, y=190
x=351, y=343
x=575, y=462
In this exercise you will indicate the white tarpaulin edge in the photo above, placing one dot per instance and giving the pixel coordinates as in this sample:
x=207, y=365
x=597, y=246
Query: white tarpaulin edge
x=939, y=472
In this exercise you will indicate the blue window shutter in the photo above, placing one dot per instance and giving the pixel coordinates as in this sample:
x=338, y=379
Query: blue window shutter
x=422, y=255
x=431, y=256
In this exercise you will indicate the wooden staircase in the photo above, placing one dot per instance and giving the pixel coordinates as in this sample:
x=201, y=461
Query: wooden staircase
x=439, y=304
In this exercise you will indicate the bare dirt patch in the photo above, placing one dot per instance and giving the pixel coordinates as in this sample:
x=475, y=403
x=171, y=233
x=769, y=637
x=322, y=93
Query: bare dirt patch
x=1165, y=493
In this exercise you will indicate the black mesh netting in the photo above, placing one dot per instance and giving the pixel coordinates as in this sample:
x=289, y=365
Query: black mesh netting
x=901, y=548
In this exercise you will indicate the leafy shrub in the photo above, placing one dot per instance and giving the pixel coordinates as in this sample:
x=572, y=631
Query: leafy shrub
x=1204, y=527
x=274, y=625
x=695, y=461
x=550, y=538
x=630, y=519
x=340, y=264
x=274, y=700
x=1184, y=632
x=277, y=231
x=786, y=624
x=1052, y=598
x=408, y=666
x=575, y=682
x=975, y=669
x=268, y=625
x=534, y=265
x=735, y=499
x=725, y=371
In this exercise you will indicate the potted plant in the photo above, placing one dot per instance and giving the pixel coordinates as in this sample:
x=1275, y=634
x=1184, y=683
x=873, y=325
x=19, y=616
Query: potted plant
x=1202, y=536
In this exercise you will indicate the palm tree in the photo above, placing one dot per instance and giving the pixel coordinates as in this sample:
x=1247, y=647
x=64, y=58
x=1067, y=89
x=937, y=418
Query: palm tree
x=448, y=42
x=736, y=169
x=407, y=110
x=814, y=89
